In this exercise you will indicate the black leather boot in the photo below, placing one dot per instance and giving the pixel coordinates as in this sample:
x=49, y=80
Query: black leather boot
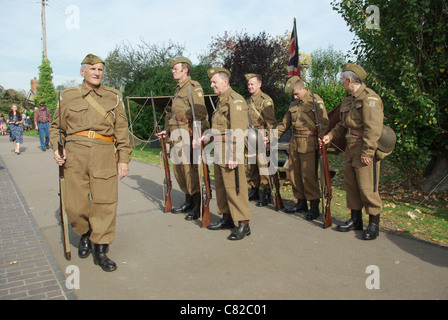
x=84, y=245
x=196, y=211
x=254, y=194
x=223, y=223
x=187, y=206
x=355, y=222
x=373, y=229
x=100, y=258
x=301, y=206
x=265, y=198
x=240, y=232
x=314, y=210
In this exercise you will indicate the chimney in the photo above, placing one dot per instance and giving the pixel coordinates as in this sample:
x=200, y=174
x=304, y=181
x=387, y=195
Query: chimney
x=34, y=84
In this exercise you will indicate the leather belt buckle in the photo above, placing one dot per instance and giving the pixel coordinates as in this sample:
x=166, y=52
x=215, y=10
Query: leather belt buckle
x=91, y=134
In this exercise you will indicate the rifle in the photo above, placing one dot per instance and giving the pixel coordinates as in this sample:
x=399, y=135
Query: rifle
x=64, y=218
x=205, y=188
x=325, y=183
x=278, y=198
x=167, y=182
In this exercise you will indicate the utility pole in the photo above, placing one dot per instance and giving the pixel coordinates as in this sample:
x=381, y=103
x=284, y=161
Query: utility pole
x=44, y=30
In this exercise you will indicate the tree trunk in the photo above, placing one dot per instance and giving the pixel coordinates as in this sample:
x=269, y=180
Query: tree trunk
x=436, y=174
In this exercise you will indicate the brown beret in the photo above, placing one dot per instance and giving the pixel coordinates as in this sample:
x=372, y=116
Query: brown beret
x=360, y=72
x=289, y=88
x=211, y=72
x=177, y=60
x=92, y=59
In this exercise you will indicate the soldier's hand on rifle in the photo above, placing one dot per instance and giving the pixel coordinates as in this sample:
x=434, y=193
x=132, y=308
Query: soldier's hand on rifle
x=162, y=134
x=59, y=161
x=326, y=139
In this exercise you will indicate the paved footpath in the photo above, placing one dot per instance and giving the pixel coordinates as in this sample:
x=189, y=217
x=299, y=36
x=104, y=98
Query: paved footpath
x=160, y=256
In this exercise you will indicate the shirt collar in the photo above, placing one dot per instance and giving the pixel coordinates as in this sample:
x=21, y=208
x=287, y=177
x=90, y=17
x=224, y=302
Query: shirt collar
x=360, y=90
x=183, y=83
x=86, y=90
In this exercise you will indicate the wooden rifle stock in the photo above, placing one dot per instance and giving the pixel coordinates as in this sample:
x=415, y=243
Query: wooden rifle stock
x=278, y=199
x=205, y=187
x=206, y=191
x=64, y=219
x=167, y=182
x=327, y=192
x=325, y=170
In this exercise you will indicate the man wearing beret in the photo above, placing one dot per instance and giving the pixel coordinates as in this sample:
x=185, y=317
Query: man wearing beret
x=229, y=125
x=361, y=122
x=180, y=120
x=261, y=116
x=94, y=129
x=42, y=119
x=303, y=145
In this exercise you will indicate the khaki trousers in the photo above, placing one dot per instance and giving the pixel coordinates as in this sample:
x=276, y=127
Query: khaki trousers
x=228, y=201
x=302, y=170
x=255, y=179
x=358, y=182
x=186, y=172
x=92, y=189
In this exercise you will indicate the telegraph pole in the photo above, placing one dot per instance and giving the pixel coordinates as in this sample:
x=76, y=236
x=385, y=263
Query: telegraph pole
x=44, y=30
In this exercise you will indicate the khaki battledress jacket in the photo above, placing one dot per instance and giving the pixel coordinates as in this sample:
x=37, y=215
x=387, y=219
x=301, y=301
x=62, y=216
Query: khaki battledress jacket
x=262, y=116
x=361, y=123
x=180, y=125
x=91, y=164
x=231, y=113
x=303, y=144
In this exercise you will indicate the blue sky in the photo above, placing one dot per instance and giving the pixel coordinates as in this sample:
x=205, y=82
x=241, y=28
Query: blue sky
x=102, y=25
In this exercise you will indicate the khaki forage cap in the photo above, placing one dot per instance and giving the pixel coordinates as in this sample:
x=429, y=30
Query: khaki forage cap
x=249, y=76
x=289, y=88
x=177, y=60
x=92, y=59
x=211, y=72
x=360, y=72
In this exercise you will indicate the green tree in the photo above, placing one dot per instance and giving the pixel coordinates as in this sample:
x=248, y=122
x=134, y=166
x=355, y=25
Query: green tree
x=405, y=53
x=45, y=92
x=324, y=75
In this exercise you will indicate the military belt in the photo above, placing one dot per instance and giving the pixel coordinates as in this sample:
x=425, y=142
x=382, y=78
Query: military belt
x=94, y=135
x=304, y=132
x=357, y=132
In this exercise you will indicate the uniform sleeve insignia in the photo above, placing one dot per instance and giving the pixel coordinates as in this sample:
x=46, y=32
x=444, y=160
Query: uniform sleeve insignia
x=239, y=107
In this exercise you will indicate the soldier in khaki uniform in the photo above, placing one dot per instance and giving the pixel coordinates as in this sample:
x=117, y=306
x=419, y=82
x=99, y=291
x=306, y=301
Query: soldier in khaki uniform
x=180, y=120
x=361, y=123
x=261, y=116
x=229, y=125
x=93, y=144
x=303, y=145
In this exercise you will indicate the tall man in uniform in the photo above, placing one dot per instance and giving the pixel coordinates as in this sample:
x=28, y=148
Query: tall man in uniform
x=94, y=129
x=229, y=124
x=180, y=120
x=303, y=145
x=261, y=116
x=361, y=123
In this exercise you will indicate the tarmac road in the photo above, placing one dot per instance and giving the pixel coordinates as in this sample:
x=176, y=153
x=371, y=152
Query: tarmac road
x=160, y=256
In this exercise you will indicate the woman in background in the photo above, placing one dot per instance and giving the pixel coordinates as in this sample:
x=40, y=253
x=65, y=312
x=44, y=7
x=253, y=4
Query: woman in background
x=15, y=125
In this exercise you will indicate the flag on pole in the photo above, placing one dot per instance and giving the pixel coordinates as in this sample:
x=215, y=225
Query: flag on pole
x=293, y=65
